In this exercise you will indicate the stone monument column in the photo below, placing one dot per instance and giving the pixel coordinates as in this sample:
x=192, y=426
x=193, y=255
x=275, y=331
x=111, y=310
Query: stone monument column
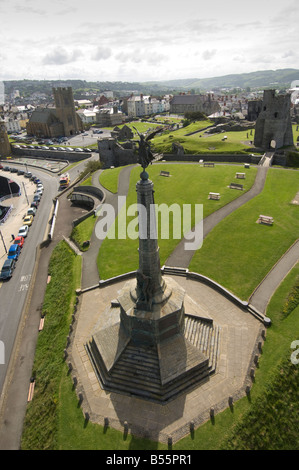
x=150, y=285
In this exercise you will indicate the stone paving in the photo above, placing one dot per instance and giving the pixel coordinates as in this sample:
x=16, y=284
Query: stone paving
x=240, y=334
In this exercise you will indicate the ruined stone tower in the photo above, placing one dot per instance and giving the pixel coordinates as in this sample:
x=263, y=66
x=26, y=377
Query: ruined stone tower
x=5, y=148
x=66, y=112
x=273, y=126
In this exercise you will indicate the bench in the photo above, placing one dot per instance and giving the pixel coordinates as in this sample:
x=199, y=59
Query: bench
x=266, y=219
x=31, y=390
x=209, y=164
x=41, y=324
x=214, y=196
x=236, y=186
x=240, y=176
x=164, y=173
x=246, y=165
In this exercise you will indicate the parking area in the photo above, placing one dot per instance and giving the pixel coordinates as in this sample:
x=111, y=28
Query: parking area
x=20, y=205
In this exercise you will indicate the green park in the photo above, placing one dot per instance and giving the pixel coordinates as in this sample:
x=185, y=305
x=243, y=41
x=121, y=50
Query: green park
x=237, y=253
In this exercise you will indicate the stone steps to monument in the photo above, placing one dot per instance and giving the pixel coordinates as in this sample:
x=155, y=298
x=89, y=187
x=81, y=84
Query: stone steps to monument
x=174, y=270
x=203, y=335
x=124, y=381
x=130, y=376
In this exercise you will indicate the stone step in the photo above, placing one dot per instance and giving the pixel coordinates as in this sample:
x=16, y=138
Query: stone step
x=203, y=335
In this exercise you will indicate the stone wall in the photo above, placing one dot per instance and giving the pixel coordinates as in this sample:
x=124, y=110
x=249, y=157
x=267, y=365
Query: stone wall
x=51, y=154
x=240, y=158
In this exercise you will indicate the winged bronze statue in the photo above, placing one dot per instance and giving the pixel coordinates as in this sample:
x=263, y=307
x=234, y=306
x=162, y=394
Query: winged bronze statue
x=144, y=151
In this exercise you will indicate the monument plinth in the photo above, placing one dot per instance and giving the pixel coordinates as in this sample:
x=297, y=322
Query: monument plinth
x=146, y=352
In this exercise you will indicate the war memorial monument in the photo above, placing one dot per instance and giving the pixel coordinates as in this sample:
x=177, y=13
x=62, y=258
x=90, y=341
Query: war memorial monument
x=158, y=354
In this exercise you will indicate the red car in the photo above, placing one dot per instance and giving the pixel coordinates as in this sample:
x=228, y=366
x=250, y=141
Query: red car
x=19, y=241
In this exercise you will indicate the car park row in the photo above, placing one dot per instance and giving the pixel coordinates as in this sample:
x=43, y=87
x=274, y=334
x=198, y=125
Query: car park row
x=18, y=241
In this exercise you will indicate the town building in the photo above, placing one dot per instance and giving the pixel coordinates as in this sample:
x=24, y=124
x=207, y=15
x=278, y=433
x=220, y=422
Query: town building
x=63, y=120
x=180, y=104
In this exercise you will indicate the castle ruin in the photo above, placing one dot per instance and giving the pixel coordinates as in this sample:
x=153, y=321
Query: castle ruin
x=273, y=126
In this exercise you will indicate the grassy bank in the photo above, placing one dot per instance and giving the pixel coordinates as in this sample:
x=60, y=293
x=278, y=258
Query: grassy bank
x=41, y=421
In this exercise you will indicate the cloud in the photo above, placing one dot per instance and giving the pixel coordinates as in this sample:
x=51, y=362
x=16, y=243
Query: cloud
x=102, y=53
x=207, y=55
x=59, y=56
x=138, y=56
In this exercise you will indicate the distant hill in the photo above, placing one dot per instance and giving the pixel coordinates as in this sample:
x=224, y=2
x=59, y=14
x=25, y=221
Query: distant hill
x=259, y=79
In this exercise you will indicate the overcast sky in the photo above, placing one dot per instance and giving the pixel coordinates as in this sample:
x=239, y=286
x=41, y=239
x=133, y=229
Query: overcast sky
x=130, y=40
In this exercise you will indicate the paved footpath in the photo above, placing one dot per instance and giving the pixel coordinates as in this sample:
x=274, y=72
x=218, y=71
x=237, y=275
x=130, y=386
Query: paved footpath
x=263, y=293
x=90, y=274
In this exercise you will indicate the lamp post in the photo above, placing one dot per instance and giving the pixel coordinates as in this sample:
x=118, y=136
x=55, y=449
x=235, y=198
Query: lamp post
x=3, y=241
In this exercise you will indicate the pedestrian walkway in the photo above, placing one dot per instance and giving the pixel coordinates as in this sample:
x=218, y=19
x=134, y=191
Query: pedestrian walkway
x=263, y=293
x=90, y=274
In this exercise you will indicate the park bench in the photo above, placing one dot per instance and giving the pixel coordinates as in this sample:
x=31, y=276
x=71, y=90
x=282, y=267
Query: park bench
x=31, y=390
x=214, y=196
x=164, y=173
x=240, y=175
x=236, y=186
x=209, y=164
x=246, y=165
x=266, y=219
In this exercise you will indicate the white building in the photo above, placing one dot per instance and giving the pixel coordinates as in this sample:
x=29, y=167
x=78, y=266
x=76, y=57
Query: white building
x=12, y=125
x=88, y=116
x=141, y=105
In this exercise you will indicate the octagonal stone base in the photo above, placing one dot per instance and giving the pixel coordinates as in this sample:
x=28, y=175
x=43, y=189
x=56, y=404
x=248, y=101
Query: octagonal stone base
x=146, y=352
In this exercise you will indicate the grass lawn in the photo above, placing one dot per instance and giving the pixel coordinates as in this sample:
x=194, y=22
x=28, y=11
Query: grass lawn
x=238, y=252
x=109, y=178
x=236, y=142
x=83, y=231
x=188, y=184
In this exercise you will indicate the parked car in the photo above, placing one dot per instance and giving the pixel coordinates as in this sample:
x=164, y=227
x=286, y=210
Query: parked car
x=21, y=172
x=6, y=168
x=34, y=204
x=23, y=231
x=31, y=211
x=7, y=269
x=78, y=149
x=14, y=251
x=36, y=198
x=28, y=174
x=14, y=170
x=28, y=219
x=19, y=241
